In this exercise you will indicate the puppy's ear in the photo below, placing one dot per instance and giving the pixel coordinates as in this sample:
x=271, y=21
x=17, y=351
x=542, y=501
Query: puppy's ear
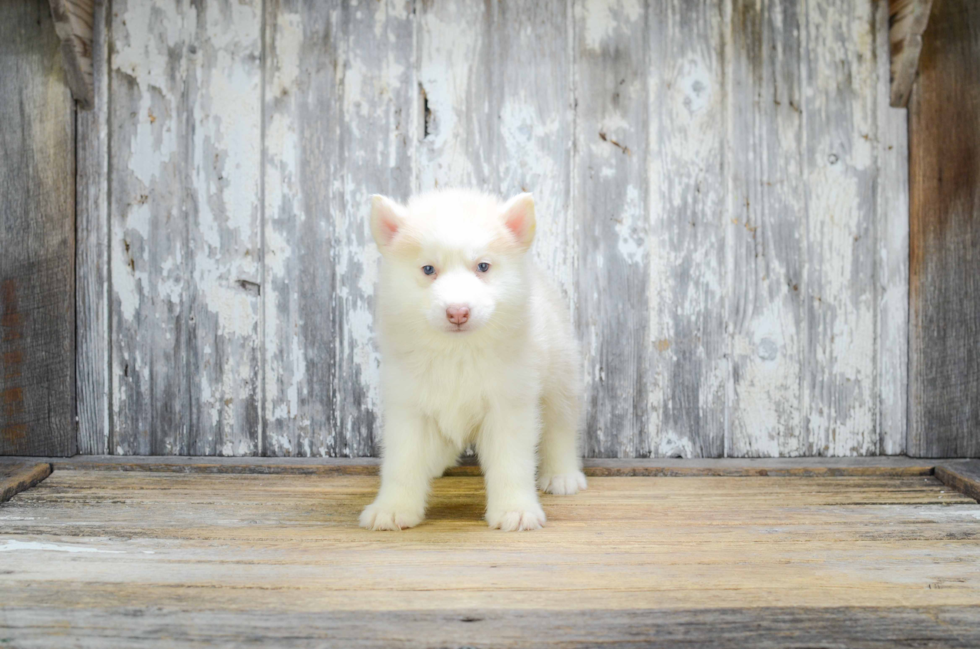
x=387, y=217
x=518, y=216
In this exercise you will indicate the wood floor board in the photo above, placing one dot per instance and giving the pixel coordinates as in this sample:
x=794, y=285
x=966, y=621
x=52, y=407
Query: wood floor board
x=652, y=467
x=964, y=476
x=134, y=558
x=18, y=477
x=857, y=627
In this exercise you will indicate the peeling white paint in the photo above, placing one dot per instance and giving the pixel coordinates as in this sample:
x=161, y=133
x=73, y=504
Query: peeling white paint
x=528, y=139
x=630, y=226
x=35, y=546
x=752, y=265
x=602, y=18
x=451, y=41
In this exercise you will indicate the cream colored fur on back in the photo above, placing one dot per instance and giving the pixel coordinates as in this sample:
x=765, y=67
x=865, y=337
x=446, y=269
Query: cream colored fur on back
x=507, y=380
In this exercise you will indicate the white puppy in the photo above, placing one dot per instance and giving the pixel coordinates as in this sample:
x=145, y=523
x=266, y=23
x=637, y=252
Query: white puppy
x=477, y=348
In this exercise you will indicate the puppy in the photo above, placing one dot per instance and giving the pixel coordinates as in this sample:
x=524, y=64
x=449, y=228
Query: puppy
x=477, y=348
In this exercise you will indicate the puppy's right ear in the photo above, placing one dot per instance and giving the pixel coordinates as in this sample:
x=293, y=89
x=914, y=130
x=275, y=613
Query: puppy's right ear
x=387, y=217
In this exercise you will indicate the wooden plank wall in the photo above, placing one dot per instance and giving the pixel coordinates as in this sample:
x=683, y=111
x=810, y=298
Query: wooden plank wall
x=720, y=190
x=37, y=207
x=944, y=291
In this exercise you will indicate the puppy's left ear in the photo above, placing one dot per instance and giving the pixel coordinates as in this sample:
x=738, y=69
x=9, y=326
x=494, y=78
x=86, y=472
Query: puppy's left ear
x=518, y=216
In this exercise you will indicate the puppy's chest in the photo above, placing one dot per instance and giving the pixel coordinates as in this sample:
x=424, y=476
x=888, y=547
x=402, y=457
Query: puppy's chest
x=457, y=392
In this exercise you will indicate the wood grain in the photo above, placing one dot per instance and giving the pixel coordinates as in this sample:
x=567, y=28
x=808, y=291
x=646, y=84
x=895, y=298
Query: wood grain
x=944, y=294
x=200, y=552
x=838, y=112
x=147, y=229
x=185, y=236
x=685, y=185
x=611, y=86
x=15, y=478
x=380, y=103
x=531, y=100
x=767, y=207
x=861, y=627
x=93, y=380
x=223, y=95
x=600, y=467
x=456, y=130
x=37, y=237
x=303, y=196
x=340, y=126
x=892, y=263
x=720, y=189
x=962, y=476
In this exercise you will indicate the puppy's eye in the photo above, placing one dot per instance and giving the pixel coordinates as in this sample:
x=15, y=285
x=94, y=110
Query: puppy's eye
x=483, y=267
x=428, y=270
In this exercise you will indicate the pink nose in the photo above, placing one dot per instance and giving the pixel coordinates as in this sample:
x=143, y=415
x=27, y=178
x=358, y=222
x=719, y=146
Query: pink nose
x=458, y=314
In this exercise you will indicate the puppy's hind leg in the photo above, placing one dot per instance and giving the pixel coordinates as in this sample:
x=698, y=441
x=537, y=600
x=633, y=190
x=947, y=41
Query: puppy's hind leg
x=560, y=465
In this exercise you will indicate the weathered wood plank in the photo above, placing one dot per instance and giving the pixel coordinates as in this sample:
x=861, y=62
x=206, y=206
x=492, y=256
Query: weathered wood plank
x=962, y=476
x=92, y=334
x=380, y=113
x=397, y=97
x=731, y=467
x=722, y=628
x=611, y=86
x=531, y=101
x=147, y=223
x=15, y=478
x=37, y=237
x=944, y=294
x=892, y=263
x=223, y=97
x=838, y=108
x=94, y=540
x=907, y=22
x=304, y=67
x=455, y=76
x=186, y=107
x=685, y=188
x=340, y=126
x=767, y=208
x=530, y=106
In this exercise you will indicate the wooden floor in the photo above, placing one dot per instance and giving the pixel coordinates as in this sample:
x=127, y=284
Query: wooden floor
x=121, y=559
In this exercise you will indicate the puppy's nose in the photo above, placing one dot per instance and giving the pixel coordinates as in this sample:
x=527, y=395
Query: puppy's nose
x=458, y=314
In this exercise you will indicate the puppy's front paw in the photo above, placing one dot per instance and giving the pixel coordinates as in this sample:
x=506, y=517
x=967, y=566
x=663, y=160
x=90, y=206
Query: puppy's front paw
x=513, y=520
x=564, y=484
x=381, y=516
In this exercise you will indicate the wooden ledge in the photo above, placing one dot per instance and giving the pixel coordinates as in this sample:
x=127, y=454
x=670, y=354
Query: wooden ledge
x=729, y=467
x=960, y=474
x=20, y=476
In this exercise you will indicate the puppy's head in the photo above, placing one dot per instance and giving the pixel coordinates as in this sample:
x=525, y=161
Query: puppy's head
x=454, y=261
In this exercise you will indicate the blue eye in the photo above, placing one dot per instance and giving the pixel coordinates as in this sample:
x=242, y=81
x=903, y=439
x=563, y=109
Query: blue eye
x=428, y=270
x=483, y=266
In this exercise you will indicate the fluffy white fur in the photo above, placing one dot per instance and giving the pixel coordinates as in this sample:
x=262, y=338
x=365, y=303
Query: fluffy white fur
x=508, y=379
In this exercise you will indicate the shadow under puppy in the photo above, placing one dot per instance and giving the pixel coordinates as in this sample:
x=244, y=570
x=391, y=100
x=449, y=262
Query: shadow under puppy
x=477, y=348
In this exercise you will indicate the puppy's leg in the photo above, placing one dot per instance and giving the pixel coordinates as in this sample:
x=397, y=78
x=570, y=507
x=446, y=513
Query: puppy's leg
x=561, y=461
x=414, y=453
x=506, y=446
